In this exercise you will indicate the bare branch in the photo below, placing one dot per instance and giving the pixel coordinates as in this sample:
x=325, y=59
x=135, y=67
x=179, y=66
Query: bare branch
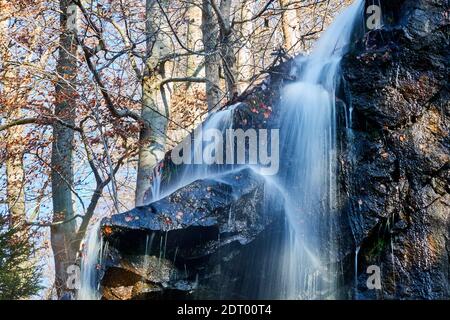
x=53, y=224
x=257, y=15
x=18, y=122
x=183, y=79
x=221, y=19
x=123, y=113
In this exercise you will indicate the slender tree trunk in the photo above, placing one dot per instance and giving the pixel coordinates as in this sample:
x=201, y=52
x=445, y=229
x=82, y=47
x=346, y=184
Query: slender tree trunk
x=289, y=24
x=212, y=62
x=245, y=58
x=227, y=51
x=62, y=235
x=193, y=36
x=15, y=174
x=155, y=102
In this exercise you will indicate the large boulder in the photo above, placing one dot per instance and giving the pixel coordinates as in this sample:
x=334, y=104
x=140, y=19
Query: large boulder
x=170, y=247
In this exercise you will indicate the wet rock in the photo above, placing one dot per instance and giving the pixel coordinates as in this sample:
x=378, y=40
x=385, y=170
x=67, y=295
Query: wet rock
x=163, y=248
x=396, y=163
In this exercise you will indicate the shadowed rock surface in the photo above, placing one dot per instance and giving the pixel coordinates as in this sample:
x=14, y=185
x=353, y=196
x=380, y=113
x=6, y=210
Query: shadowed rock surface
x=395, y=169
x=171, y=246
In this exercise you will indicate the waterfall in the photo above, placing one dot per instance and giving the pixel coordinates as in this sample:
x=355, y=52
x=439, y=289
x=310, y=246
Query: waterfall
x=91, y=259
x=308, y=176
x=92, y=251
x=221, y=121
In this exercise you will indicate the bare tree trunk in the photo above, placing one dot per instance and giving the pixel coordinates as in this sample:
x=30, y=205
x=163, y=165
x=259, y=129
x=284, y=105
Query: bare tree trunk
x=227, y=50
x=155, y=108
x=193, y=36
x=63, y=234
x=289, y=24
x=212, y=64
x=287, y=31
x=15, y=174
x=245, y=63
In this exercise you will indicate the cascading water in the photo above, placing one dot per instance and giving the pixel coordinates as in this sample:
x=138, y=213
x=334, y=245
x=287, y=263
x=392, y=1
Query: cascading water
x=93, y=246
x=219, y=121
x=91, y=259
x=306, y=178
x=308, y=140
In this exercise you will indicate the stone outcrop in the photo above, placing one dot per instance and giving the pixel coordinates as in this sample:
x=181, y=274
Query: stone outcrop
x=395, y=167
x=170, y=247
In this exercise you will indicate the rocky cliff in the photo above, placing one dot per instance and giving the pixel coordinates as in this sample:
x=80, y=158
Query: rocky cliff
x=395, y=166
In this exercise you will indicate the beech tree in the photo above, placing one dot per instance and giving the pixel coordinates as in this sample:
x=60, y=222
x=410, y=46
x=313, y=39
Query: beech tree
x=155, y=99
x=210, y=39
x=19, y=275
x=63, y=228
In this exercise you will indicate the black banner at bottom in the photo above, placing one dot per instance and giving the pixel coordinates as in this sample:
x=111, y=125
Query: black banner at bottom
x=227, y=309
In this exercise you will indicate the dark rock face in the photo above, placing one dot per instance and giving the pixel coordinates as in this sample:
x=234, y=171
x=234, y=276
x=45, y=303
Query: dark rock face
x=167, y=248
x=395, y=169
